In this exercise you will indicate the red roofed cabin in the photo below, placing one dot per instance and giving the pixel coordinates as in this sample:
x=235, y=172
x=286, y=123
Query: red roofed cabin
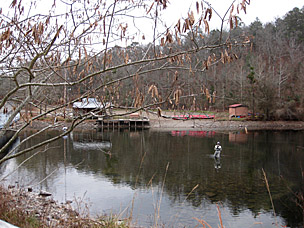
x=238, y=110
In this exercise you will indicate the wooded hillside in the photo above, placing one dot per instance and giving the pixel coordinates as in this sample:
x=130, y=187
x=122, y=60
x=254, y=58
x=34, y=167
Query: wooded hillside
x=265, y=72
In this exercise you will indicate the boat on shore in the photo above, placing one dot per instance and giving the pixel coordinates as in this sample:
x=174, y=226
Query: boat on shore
x=192, y=117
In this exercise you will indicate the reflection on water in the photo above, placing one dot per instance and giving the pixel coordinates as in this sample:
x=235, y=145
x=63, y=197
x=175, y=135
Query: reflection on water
x=110, y=169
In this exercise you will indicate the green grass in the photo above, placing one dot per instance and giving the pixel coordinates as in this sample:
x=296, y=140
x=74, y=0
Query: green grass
x=238, y=119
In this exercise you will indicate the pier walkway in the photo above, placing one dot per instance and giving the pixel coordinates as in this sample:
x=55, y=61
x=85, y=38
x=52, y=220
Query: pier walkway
x=134, y=124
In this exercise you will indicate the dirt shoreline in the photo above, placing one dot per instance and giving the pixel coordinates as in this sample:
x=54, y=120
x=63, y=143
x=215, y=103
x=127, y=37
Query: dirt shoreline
x=165, y=123
x=216, y=125
x=162, y=124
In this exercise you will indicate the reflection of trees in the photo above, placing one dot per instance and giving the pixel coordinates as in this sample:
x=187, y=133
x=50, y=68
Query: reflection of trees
x=44, y=163
x=285, y=162
x=239, y=183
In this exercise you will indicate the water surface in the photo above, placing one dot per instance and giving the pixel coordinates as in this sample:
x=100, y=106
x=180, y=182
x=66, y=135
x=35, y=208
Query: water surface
x=171, y=178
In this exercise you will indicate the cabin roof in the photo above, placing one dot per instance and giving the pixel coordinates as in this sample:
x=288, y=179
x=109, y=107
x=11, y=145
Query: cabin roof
x=90, y=103
x=237, y=105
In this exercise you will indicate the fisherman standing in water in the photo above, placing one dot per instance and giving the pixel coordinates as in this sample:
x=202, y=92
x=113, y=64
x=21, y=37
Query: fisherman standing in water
x=217, y=150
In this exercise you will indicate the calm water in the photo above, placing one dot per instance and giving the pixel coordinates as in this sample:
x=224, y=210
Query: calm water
x=171, y=178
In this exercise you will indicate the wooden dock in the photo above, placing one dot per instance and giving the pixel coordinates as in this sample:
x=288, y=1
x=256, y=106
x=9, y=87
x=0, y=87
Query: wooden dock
x=131, y=124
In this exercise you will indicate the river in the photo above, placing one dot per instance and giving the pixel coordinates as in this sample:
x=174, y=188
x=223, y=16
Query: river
x=170, y=178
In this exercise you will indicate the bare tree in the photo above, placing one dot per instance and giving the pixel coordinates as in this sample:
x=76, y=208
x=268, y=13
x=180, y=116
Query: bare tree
x=78, y=49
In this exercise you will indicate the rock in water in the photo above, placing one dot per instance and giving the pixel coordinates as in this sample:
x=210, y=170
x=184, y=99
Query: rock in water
x=44, y=193
x=4, y=224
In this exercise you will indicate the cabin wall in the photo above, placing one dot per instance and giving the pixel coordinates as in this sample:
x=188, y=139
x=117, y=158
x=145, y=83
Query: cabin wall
x=241, y=111
x=231, y=111
x=238, y=111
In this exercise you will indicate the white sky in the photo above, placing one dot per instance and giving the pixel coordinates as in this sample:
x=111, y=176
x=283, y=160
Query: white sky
x=265, y=10
x=269, y=10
